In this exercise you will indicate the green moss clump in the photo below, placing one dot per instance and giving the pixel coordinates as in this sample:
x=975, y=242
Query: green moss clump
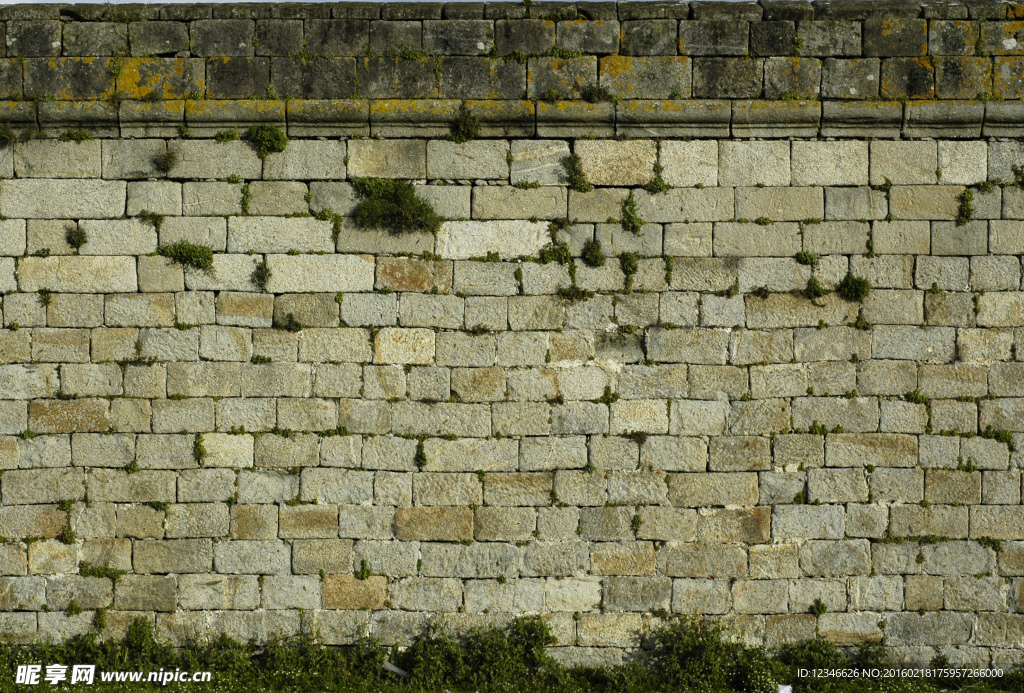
x=965, y=212
x=574, y=171
x=392, y=205
x=289, y=323
x=465, y=127
x=152, y=218
x=592, y=253
x=594, y=94
x=89, y=570
x=628, y=263
x=814, y=288
x=165, y=162
x=198, y=448
x=556, y=252
x=806, y=258
x=574, y=294
x=999, y=434
x=631, y=221
x=76, y=136
x=185, y=253
x=76, y=238
x=226, y=136
x=267, y=139
x=8, y=137
x=853, y=288
x=261, y=274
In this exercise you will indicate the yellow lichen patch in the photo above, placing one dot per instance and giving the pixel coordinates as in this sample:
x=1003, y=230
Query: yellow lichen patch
x=211, y=107
x=433, y=107
x=500, y=110
x=170, y=106
x=147, y=78
x=614, y=66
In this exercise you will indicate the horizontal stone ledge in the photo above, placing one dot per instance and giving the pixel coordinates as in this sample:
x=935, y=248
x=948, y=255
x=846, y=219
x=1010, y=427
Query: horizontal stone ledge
x=637, y=118
x=834, y=10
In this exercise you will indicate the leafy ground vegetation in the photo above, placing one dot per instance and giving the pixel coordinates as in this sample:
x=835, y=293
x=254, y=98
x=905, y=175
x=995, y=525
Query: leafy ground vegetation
x=684, y=655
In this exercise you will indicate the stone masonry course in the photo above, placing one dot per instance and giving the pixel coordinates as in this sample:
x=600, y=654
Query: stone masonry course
x=688, y=308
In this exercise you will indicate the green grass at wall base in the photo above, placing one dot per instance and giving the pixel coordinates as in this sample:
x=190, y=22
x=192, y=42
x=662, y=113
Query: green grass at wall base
x=683, y=655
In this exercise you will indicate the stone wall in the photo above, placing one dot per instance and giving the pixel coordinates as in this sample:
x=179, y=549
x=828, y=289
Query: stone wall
x=352, y=431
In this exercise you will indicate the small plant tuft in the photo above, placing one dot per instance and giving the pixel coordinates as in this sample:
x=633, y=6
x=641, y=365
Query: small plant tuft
x=818, y=608
x=165, y=162
x=89, y=570
x=76, y=238
x=853, y=289
x=631, y=221
x=574, y=294
x=628, y=263
x=392, y=205
x=574, y=171
x=965, y=212
x=226, y=136
x=261, y=274
x=465, y=127
x=289, y=323
x=76, y=136
x=814, y=288
x=806, y=258
x=190, y=254
x=555, y=252
x=592, y=254
x=267, y=139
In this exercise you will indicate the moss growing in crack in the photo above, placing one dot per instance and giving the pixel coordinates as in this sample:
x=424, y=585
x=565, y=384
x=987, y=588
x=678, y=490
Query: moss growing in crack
x=198, y=448
x=44, y=297
x=76, y=238
x=657, y=184
x=8, y=138
x=965, y=212
x=152, y=218
x=1000, y=435
x=88, y=570
x=806, y=258
x=465, y=127
x=165, y=162
x=556, y=252
x=593, y=255
x=628, y=263
x=853, y=288
x=226, y=136
x=267, y=139
x=246, y=198
x=631, y=221
x=392, y=205
x=190, y=254
x=814, y=288
x=574, y=294
x=76, y=136
x=289, y=323
x=574, y=171
x=261, y=274
x=595, y=94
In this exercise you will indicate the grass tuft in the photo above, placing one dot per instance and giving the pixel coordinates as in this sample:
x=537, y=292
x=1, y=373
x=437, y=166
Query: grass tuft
x=267, y=139
x=185, y=253
x=165, y=162
x=465, y=127
x=853, y=288
x=392, y=205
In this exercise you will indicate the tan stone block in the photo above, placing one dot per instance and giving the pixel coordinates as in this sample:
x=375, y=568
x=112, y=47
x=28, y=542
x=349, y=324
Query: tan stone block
x=349, y=593
x=67, y=416
x=433, y=524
